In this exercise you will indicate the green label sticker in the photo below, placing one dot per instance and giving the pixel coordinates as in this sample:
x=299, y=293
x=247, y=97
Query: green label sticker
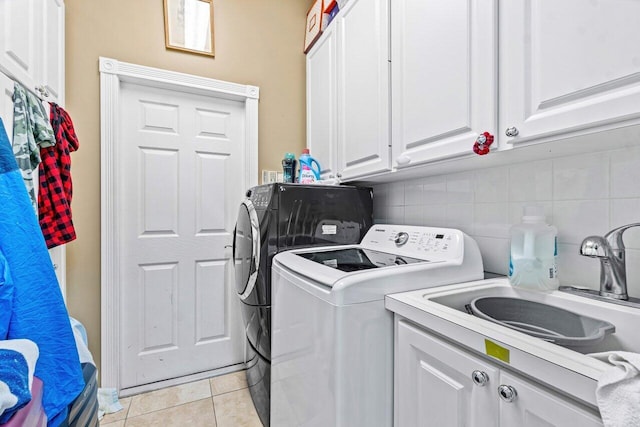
x=494, y=350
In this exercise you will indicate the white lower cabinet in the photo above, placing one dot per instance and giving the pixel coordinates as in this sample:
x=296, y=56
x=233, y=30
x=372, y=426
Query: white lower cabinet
x=439, y=384
x=536, y=406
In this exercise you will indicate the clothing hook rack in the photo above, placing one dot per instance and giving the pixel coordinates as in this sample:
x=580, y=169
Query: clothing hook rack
x=40, y=91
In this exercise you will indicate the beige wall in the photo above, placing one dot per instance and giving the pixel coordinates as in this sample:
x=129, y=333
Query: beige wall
x=257, y=42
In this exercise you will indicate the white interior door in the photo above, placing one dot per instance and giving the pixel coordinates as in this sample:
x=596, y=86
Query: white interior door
x=181, y=181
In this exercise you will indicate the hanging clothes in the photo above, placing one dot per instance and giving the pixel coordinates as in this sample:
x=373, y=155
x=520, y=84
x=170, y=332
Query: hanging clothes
x=54, y=196
x=31, y=130
x=38, y=310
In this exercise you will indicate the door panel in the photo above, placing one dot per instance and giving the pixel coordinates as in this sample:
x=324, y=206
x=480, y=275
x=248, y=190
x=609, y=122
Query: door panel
x=434, y=385
x=180, y=169
x=537, y=407
x=19, y=44
x=443, y=77
x=563, y=67
x=322, y=116
x=363, y=88
x=53, y=56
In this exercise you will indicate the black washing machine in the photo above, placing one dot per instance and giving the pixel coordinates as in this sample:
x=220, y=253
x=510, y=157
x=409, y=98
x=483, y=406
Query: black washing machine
x=278, y=217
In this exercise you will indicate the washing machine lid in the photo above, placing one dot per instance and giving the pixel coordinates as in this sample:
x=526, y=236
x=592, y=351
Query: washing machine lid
x=357, y=259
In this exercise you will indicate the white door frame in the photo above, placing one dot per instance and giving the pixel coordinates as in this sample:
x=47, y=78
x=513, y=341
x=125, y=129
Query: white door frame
x=112, y=74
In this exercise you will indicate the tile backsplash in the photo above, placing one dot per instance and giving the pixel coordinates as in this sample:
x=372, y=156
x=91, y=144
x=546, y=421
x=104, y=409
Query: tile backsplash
x=582, y=195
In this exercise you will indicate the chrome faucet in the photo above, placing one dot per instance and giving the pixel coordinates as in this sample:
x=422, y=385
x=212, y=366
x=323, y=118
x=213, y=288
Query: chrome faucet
x=610, y=250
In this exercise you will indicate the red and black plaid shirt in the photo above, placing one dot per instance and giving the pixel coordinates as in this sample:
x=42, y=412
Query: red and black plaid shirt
x=54, y=195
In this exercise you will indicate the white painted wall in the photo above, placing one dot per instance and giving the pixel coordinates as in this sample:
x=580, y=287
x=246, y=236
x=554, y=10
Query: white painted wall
x=582, y=195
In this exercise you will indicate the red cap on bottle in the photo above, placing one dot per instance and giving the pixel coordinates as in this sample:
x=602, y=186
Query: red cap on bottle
x=305, y=151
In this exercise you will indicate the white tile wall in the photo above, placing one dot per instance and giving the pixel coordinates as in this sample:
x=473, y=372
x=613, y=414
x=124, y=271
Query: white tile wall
x=582, y=195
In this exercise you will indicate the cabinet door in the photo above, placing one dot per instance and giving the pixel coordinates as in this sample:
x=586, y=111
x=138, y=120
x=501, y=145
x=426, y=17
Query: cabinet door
x=434, y=386
x=536, y=407
x=567, y=66
x=363, y=88
x=53, y=44
x=322, y=102
x=444, y=77
x=19, y=41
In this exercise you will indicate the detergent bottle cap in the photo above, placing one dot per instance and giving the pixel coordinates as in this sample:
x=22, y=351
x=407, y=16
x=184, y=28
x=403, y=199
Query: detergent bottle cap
x=305, y=151
x=533, y=214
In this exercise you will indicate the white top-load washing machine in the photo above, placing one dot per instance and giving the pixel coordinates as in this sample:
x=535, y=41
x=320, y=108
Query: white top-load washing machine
x=332, y=339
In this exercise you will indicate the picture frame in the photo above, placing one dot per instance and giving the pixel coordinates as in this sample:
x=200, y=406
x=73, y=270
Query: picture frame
x=314, y=25
x=188, y=26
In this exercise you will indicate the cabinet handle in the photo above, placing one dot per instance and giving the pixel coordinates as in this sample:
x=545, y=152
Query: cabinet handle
x=403, y=160
x=331, y=175
x=339, y=175
x=483, y=143
x=512, y=131
x=480, y=378
x=507, y=393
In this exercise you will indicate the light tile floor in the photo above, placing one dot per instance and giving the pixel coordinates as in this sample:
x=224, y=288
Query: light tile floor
x=222, y=401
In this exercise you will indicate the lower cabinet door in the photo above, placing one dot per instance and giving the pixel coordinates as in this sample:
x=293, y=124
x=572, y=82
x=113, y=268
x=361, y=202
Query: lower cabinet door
x=527, y=405
x=440, y=385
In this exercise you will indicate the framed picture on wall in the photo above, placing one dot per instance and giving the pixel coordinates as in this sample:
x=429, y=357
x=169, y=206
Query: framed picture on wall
x=188, y=26
x=314, y=25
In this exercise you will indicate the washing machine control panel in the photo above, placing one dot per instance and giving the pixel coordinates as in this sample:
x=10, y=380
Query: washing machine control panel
x=260, y=196
x=428, y=243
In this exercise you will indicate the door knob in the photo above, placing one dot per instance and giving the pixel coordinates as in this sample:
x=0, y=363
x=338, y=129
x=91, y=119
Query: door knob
x=403, y=160
x=512, y=131
x=480, y=378
x=507, y=393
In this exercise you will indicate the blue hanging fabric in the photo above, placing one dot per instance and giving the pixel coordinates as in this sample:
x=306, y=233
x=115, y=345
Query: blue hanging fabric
x=38, y=310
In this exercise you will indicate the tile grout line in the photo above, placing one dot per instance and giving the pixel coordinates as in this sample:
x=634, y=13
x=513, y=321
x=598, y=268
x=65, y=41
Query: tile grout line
x=213, y=405
x=163, y=409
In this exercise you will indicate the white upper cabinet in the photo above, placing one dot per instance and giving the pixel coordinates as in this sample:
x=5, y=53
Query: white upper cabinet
x=322, y=115
x=348, y=92
x=363, y=88
x=444, y=79
x=32, y=44
x=568, y=66
x=524, y=71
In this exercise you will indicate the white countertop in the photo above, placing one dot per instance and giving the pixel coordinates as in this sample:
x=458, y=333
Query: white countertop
x=564, y=369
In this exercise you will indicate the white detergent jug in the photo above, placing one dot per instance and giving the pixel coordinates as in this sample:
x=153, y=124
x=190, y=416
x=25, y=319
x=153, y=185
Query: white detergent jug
x=534, y=252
